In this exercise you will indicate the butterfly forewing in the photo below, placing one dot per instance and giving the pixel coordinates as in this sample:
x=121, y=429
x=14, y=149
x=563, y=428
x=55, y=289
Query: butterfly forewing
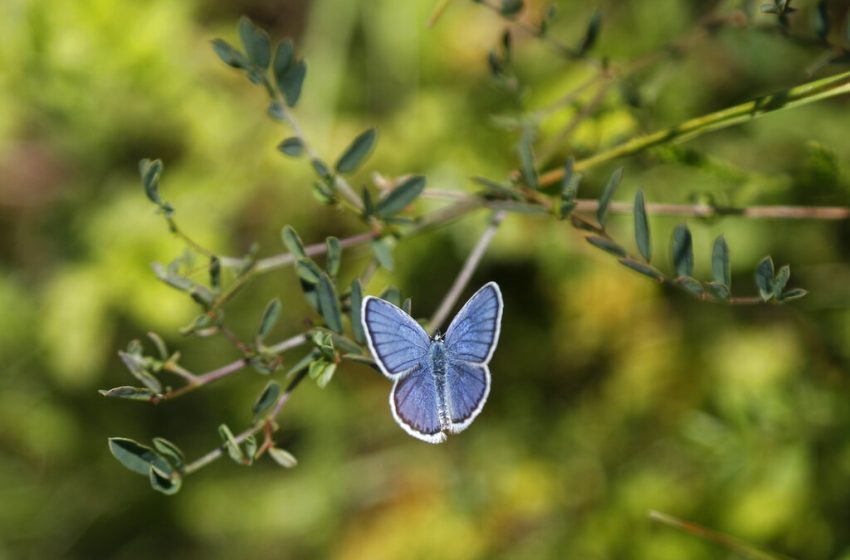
x=397, y=342
x=474, y=332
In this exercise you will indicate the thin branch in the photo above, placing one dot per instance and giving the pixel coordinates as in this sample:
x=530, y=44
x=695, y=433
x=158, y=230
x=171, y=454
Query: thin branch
x=588, y=206
x=725, y=541
x=466, y=272
x=340, y=182
x=285, y=259
x=200, y=380
x=708, y=211
x=797, y=96
x=216, y=453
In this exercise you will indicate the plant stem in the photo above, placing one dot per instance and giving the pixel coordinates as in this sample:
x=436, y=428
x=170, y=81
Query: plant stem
x=198, y=381
x=725, y=541
x=339, y=182
x=466, y=272
x=213, y=455
x=797, y=96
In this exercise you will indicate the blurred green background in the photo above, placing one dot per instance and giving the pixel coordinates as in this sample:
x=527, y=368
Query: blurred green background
x=611, y=396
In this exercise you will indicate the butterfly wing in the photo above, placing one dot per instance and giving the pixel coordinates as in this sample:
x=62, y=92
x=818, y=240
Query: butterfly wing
x=415, y=405
x=467, y=387
x=396, y=341
x=474, y=332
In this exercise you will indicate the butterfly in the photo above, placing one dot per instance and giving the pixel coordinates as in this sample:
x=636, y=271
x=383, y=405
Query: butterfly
x=440, y=383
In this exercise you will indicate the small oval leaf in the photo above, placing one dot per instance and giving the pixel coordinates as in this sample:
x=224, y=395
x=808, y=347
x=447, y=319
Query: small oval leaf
x=720, y=267
x=357, y=152
x=292, y=241
x=607, y=194
x=683, y=251
x=256, y=43
x=400, y=197
x=329, y=303
x=764, y=278
x=642, y=237
x=282, y=457
x=270, y=316
x=293, y=147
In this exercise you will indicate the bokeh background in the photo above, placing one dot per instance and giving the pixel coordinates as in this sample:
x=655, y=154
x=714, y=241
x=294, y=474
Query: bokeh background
x=612, y=396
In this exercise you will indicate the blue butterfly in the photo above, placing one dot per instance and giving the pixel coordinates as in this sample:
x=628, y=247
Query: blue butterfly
x=440, y=384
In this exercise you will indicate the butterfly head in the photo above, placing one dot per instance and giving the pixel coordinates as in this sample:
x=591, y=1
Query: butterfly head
x=438, y=336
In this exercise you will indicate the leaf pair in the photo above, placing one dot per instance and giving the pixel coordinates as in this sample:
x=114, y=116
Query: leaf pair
x=164, y=465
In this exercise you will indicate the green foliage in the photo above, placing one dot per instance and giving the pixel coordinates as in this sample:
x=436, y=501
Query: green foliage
x=642, y=228
x=607, y=195
x=357, y=152
x=400, y=198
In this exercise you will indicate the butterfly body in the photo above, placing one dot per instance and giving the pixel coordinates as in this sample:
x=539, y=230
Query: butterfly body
x=440, y=383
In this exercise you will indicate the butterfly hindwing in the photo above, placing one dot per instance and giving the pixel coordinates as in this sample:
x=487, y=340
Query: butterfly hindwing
x=467, y=387
x=396, y=341
x=474, y=332
x=415, y=404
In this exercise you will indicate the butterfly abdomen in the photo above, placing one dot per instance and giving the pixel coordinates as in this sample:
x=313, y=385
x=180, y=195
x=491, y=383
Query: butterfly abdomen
x=439, y=365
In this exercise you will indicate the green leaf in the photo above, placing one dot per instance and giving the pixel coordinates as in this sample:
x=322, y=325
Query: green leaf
x=607, y=194
x=270, y=316
x=320, y=168
x=283, y=58
x=292, y=241
x=171, y=452
x=821, y=19
x=334, y=256
x=150, y=172
x=138, y=367
x=780, y=281
x=691, y=285
x=329, y=303
x=407, y=305
x=642, y=227
x=357, y=152
x=322, y=372
x=233, y=449
x=400, y=197
x=526, y=161
x=368, y=207
x=229, y=55
x=292, y=147
x=511, y=7
x=643, y=268
x=718, y=289
x=250, y=448
x=591, y=33
x=308, y=270
x=764, y=278
x=159, y=343
x=256, y=43
x=303, y=363
x=383, y=252
x=392, y=295
x=683, y=251
x=720, y=269
x=356, y=304
x=497, y=189
x=215, y=273
x=130, y=393
x=291, y=82
x=168, y=485
x=606, y=245
x=345, y=344
x=283, y=458
x=569, y=189
x=275, y=111
x=137, y=457
x=794, y=294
